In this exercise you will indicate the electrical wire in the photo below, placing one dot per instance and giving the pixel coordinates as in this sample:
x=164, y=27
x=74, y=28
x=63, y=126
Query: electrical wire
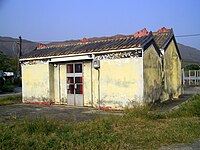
x=188, y=35
x=178, y=36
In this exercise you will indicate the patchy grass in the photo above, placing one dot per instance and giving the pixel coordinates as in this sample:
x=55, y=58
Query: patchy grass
x=11, y=100
x=189, y=109
x=137, y=129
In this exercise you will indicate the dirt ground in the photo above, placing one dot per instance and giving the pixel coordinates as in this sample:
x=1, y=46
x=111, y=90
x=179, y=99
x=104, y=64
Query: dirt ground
x=76, y=114
x=59, y=112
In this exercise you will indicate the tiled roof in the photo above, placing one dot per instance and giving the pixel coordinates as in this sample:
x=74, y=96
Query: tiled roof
x=124, y=42
x=140, y=39
x=162, y=38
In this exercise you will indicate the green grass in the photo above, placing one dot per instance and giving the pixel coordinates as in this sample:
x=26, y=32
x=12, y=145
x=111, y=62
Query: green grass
x=189, y=109
x=137, y=129
x=11, y=99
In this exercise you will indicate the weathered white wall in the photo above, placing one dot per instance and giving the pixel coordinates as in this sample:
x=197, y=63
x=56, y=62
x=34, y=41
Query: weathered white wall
x=121, y=83
x=60, y=80
x=172, y=73
x=152, y=75
x=35, y=82
x=87, y=83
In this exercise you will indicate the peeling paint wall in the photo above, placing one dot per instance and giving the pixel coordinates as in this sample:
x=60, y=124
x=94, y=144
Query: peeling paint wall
x=59, y=83
x=121, y=83
x=87, y=83
x=35, y=82
x=126, y=79
x=51, y=82
x=172, y=73
x=152, y=75
x=63, y=83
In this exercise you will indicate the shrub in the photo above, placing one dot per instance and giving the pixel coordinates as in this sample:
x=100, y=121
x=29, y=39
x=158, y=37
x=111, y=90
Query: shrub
x=8, y=88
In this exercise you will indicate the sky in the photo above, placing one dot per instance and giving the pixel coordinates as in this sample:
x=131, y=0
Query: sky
x=59, y=20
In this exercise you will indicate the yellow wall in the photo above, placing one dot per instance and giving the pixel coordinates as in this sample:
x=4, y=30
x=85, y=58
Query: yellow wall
x=59, y=83
x=63, y=82
x=35, y=83
x=87, y=83
x=152, y=75
x=51, y=82
x=121, y=82
x=172, y=73
x=124, y=82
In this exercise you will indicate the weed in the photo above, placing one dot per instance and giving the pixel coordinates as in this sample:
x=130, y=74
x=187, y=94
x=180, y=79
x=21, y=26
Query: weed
x=137, y=129
x=11, y=99
x=189, y=109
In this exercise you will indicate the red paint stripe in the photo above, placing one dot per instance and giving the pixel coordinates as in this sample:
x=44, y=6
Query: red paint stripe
x=39, y=103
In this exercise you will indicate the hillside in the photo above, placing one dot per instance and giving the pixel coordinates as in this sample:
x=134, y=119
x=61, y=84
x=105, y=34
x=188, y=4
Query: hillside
x=189, y=55
x=9, y=46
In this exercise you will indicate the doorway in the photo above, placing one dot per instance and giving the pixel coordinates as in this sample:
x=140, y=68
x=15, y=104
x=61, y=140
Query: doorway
x=75, y=84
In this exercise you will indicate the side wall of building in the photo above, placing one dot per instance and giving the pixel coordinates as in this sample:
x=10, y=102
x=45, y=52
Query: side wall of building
x=87, y=83
x=35, y=82
x=172, y=73
x=152, y=75
x=121, y=83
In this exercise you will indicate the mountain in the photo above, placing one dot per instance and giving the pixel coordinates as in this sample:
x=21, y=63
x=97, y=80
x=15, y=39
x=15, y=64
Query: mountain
x=189, y=55
x=9, y=46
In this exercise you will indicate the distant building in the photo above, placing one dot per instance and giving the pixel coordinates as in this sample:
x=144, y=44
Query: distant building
x=115, y=72
x=8, y=74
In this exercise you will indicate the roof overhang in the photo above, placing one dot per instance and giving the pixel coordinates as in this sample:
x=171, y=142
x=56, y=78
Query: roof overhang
x=74, y=57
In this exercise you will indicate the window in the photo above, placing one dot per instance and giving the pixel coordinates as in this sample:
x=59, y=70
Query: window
x=79, y=89
x=71, y=89
x=70, y=68
x=70, y=80
x=78, y=68
x=78, y=79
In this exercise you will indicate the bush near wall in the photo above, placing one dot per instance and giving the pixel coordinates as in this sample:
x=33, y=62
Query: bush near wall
x=8, y=88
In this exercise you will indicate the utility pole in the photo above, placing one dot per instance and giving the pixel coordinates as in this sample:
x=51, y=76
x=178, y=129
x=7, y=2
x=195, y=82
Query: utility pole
x=19, y=55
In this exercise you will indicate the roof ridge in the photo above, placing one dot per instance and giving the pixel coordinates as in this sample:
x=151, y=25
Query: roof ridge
x=93, y=41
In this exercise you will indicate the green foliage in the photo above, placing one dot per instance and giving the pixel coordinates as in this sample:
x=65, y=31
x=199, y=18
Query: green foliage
x=8, y=88
x=192, y=67
x=189, y=109
x=11, y=100
x=8, y=64
x=18, y=81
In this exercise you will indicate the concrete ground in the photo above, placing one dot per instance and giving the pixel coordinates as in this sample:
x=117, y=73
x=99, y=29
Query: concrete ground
x=192, y=90
x=58, y=112
x=193, y=146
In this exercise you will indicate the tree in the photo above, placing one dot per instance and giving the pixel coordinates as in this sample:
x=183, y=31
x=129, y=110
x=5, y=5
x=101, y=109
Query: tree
x=192, y=67
x=8, y=64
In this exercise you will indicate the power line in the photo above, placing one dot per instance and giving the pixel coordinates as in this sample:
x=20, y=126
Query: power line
x=24, y=41
x=27, y=41
x=188, y=35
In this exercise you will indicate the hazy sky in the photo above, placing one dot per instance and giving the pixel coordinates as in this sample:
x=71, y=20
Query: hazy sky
x=55, y=20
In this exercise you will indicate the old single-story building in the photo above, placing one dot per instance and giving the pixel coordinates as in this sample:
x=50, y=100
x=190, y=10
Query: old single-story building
x=114, y=72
